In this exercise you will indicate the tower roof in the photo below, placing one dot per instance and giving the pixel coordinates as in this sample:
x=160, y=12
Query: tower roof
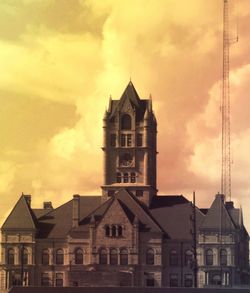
x=21, y=216
x=129, y=99
x=218, y=217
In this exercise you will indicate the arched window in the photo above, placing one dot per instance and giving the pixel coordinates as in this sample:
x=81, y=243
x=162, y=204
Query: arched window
x=113, y=257
x=173, y=258
x=113, y=229
x=118, y=177
x=79, y=256
x=216, y=280
x=25, y=256
x=107, y=231
x=59, y=257
x=45, y=257
x=126, y=122
x=119, y=230
x=132, y=177
x=209, y=257
x=103, y=259
x=150, y=257
x=223, y=257
x=188, y=258
x=11, y=256
x=124, y=256
x=125, y=178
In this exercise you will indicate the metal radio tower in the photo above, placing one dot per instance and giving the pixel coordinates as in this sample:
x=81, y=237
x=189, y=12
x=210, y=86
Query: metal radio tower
x=225, y=109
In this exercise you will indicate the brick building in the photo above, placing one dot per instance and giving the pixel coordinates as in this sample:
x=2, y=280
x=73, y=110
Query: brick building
x=129, y=235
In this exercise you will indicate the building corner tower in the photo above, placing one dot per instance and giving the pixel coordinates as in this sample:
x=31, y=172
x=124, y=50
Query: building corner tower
x=130, y=146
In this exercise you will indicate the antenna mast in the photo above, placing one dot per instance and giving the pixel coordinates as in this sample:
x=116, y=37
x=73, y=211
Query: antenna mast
x=225, y=108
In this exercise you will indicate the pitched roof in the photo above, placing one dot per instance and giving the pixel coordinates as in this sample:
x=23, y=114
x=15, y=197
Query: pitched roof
x=131, y=206
x=58, y=222
x=218, y=217
x=130, y=94
x=173, y=213
x=21, y=216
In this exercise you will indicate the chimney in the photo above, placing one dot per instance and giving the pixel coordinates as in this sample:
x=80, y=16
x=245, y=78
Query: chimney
x=27, y=198
x=229, y=205
x=76, y=210
x=47, y=205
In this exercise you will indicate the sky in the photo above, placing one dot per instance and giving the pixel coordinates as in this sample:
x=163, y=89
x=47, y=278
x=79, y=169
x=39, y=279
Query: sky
x=62, y=59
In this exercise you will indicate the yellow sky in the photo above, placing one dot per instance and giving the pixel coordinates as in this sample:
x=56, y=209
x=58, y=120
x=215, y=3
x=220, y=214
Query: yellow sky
x=61, y=59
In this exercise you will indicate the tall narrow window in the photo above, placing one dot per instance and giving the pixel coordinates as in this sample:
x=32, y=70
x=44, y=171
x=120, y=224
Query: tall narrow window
x=113, y=257
x=173, y=282
x=125, y=178
x=11, y=256
x=123, y=256
x=132, y=177
x=123, y=140
x=223, y=257
x=113, y=229
x=113, y=140
x=188, y=281
x=173, y=261
x=107, y=231
x=118, y=177
x=119, y=228
x=45, y=257
x=78, y=256
x=126, y=122
x=129, y=140
x=103, y=259
x=24, y=256
x=188, y=258
x=139, y=139
x=59, y=279
x=150, y=257
x=59, y=257
x=209, y=257
x=45, y=279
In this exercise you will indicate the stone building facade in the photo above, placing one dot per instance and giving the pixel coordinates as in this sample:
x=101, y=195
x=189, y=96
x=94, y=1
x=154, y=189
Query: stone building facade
x=128, y=236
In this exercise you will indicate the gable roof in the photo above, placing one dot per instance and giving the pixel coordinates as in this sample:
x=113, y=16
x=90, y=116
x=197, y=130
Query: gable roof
x=130, y=94
x=218, y=217
x=21, y=216
x=173, y=212
x=58, y=222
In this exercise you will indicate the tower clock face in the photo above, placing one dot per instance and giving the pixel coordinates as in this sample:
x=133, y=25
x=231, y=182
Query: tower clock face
x=126, y=160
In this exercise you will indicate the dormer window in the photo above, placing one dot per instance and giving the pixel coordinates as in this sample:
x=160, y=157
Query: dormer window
x=126, y=122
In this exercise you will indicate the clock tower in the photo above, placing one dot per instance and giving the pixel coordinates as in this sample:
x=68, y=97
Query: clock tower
x=129, y=146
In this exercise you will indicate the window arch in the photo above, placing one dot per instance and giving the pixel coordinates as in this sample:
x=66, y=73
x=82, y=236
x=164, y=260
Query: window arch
x=124, y=256
x=188, y=258
x=126, y=122
x=45, y=257
x=150, y=256
x=11, y=256
x=113, y=257
x=223, y=257
x=209, y=257
x=78, y=256
x=119, y=230
x=118, y=177
x=173, y=259
x=25, y=256
x=133, y=177
x=103, y=257
x=59, y=257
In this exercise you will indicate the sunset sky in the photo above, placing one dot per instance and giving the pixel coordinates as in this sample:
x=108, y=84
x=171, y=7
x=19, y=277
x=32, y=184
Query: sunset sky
x=60, y=61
